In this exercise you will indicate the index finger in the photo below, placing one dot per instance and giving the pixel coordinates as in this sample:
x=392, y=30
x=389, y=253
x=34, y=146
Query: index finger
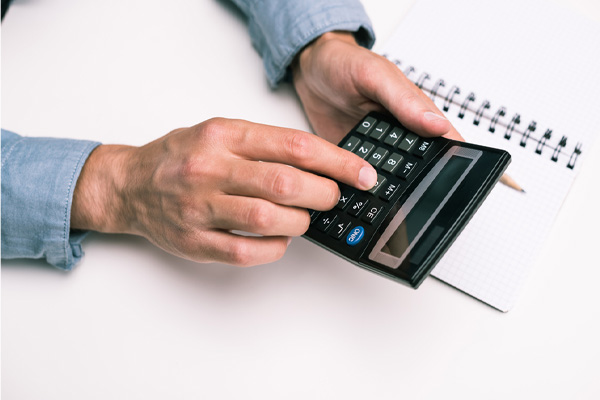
x=303, y=150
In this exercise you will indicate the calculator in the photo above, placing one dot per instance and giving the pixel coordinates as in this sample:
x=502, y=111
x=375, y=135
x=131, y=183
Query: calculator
x=427, y=191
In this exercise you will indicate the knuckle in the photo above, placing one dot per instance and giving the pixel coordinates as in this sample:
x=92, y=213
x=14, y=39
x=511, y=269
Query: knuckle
x=260, y=217
x=239, y=254
x=299, y=146
x=284, y=184
x=214, y=129
x=190, y=169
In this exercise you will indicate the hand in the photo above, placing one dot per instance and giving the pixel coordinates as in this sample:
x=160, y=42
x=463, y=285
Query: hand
x=338, y=82
x=187, y=191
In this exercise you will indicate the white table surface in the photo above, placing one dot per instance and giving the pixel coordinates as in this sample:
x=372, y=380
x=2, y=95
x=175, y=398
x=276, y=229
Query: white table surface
x=132, y=322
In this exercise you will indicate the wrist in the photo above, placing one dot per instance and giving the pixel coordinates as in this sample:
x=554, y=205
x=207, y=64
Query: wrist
x=99, y=199
x=304, y=54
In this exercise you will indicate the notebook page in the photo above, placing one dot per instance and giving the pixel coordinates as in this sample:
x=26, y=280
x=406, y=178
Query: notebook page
x=534, y=59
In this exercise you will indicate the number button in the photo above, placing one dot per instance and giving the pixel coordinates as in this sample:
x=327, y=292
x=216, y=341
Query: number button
x=365, y=149
x=380, y=130
x=352, y=143
x=380, y=182
x=393, y=137
x=366, y=125
x=408, y=142
x=378, y=156
x=392, y=163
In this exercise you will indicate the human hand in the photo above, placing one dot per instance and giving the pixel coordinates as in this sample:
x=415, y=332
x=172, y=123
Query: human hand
x=187, y=191
x=339, y=82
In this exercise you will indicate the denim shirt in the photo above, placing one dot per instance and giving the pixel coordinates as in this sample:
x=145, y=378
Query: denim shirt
x=39, y=174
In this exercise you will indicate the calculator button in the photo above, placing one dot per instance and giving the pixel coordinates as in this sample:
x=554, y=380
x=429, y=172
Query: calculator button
x=423, y=148
x=366, y=125
x=326, y=221
x=380, y=130
x=378, y=156
x=392, y=163
x=314, y=214
x=408, y=141
x=345, y=199
x=372, y=213
x=380, y=182
x=355, y=236
x=357, y=206
x=352, y=143
x=365, y=149
x=406, y=169
x=339, y=229
x=393, y=137
x=390, y=190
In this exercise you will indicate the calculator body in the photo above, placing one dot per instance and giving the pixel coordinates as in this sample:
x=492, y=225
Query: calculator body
x=427, y=190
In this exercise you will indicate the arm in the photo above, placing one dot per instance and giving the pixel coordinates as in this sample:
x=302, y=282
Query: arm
x=38, y=181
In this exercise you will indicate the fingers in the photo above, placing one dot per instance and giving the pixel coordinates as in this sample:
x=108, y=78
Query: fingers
x=281, y=184
x=305, y=151
x=259, y=216
x=392, y=89
x=241, y=251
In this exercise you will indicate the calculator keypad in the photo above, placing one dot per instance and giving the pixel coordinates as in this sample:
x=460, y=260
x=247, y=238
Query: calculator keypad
x=398, y=156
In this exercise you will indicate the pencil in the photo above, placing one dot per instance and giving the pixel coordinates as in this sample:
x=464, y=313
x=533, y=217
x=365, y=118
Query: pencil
x=511, y=183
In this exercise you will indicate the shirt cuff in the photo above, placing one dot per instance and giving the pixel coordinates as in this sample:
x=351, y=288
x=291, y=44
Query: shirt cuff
x=38, y=181
x=280, y=30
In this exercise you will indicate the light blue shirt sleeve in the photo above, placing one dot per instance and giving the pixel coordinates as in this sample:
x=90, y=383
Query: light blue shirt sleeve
x=38, y=179
x=281, y=28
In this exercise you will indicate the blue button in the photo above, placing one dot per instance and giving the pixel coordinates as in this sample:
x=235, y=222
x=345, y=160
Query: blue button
x=355, y=236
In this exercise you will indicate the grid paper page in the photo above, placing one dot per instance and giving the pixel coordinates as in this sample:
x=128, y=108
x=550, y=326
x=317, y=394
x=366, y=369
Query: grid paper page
x=529, y=58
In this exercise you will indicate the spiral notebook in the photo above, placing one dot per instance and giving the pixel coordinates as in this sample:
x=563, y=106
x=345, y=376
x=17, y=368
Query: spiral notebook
x=519, y=75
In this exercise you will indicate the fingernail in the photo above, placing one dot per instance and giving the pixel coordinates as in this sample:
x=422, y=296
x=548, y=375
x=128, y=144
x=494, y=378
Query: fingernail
x=367, y=177
x=431, y=116
x=289, y=240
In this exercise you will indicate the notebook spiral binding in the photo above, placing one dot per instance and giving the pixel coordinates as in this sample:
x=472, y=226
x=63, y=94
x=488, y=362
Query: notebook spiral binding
x=497, y=118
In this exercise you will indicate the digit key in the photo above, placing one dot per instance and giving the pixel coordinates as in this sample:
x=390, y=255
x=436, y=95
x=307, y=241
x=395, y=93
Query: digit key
x=408, y=142
x=392, y=163
x=377, y=157
x=366, y=125
x=365, y=149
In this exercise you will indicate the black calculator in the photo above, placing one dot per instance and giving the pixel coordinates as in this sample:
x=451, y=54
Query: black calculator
x=427, y=190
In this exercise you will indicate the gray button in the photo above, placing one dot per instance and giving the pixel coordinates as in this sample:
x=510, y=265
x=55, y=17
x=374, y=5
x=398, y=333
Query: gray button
x=366, y=125
x=365, y=149
x=380, y=130
x=408, y=142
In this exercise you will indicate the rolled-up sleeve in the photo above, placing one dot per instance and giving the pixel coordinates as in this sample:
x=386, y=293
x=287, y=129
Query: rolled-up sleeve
x=281, y=28
x=38, y=180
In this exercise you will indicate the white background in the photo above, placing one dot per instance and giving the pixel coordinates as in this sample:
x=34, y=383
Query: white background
x=132, y=322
